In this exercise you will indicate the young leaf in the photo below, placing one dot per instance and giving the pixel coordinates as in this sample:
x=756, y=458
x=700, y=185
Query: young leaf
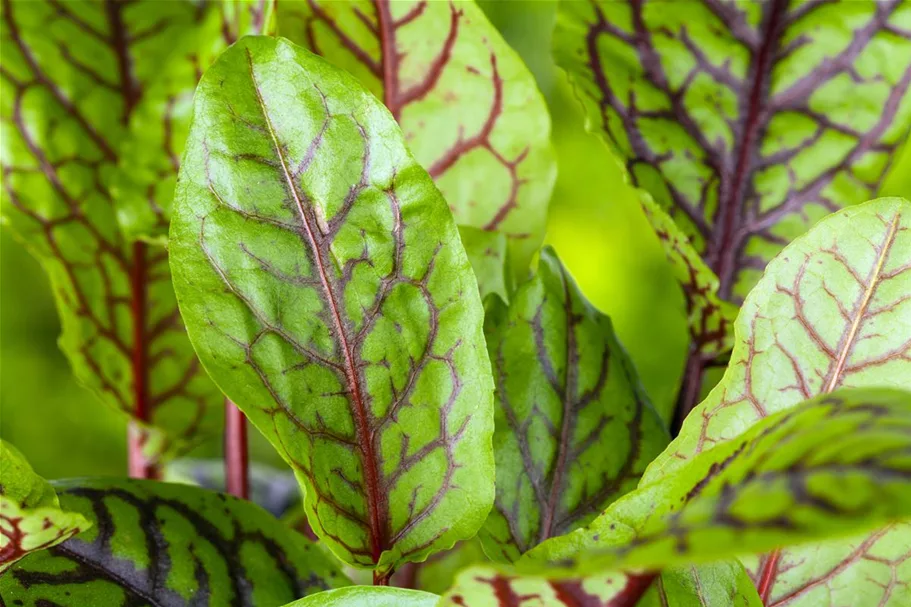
x=149, y=156
x=163, y=544
x=574, y=429
x=328, y=294
x=368, y=596
x=470, y=109
x=30, y=515
x=747, y=122
x=721, y=584
x=72, y=75
x=827, y=468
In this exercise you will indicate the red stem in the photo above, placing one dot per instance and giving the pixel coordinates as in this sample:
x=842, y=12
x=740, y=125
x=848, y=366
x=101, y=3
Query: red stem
x=139, y=466
x=237, y=475
x=690, y=388
x=767, y=576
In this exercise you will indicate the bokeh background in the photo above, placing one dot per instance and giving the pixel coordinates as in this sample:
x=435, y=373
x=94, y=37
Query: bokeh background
x=594, y=223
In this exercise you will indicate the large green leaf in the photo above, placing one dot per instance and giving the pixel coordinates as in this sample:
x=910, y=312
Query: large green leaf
x=747, y=121
x=73, y=74
x=327, y=292
x=470, y=109
x=30, y=515
x=830, y=467
x=163, y=544
x=721, y=584
x=574, y=429
x=368, y=596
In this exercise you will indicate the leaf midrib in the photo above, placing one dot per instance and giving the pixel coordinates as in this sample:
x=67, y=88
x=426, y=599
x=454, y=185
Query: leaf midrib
x=367, y=448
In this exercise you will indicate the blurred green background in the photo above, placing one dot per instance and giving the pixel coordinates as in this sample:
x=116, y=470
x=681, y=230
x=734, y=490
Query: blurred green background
x=595, y=224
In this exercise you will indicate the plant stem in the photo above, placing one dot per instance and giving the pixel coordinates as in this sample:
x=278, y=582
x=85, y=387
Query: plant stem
x=767, y=576
x=237, y=475
x=139, y=466
x=381, y=580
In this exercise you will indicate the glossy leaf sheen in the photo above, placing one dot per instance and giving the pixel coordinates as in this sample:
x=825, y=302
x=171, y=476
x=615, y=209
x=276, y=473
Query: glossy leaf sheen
x=30, y=515
x=163, y=544
x=574, y=429
x=470, y=109
x=368, y=596
x=327, y=292
x=748, y=122
x=833, y=310
x=73, y=75
x=829, y=467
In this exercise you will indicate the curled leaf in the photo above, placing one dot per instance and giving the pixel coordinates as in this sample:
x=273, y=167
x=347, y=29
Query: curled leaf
x=31, y=518
x=574, y=429
x=163, y=544
x=327, y=292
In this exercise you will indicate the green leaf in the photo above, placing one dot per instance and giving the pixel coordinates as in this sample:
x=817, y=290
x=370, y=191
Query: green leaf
x=164, y=544
x=488, y=254
x=30, y=515
x=470, y=109
x=327, y=292
x=721, y=584
x=502, y=586
x=747, y=122
x=149, y=156
x=574, y=429
x=827, y=468
x=73, y=73
x=368, y=596
x=832, y=310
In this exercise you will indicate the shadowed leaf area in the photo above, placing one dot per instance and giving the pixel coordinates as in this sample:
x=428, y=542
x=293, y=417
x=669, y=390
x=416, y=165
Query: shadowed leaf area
x=163, y=544
x=469, y=108
x=574, y=429
x=95, y=109
x=30, y=515
x=326, y=290
x=746, y=121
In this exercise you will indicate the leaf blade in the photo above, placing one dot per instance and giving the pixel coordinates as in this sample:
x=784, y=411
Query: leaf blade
x=371, y=297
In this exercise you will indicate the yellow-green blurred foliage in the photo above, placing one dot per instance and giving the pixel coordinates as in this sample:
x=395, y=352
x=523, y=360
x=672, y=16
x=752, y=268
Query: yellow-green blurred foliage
x=595, y=224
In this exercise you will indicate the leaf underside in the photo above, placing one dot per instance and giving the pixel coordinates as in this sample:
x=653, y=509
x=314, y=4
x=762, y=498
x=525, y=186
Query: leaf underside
x=574, y=429
x=470, y=109
x=369, y=596
x=163, y=544
x=747, y=122
x=74, y=75
x=334, y=303
x=30, y=515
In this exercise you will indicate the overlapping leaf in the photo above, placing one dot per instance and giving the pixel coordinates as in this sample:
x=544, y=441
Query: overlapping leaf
x=163, y=544
x=30, y=515
x=73, y=75
x=149, y=156
x=574, y=429
x=470, y=110
x=829, y=467
x=833, y=310
x=327, y=292
x=746, y=121
x=368, y=596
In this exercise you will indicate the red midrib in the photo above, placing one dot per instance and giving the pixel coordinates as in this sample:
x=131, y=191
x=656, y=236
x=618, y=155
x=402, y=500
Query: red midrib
x=388, y=56
x=731, y=210
x=375, y=501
